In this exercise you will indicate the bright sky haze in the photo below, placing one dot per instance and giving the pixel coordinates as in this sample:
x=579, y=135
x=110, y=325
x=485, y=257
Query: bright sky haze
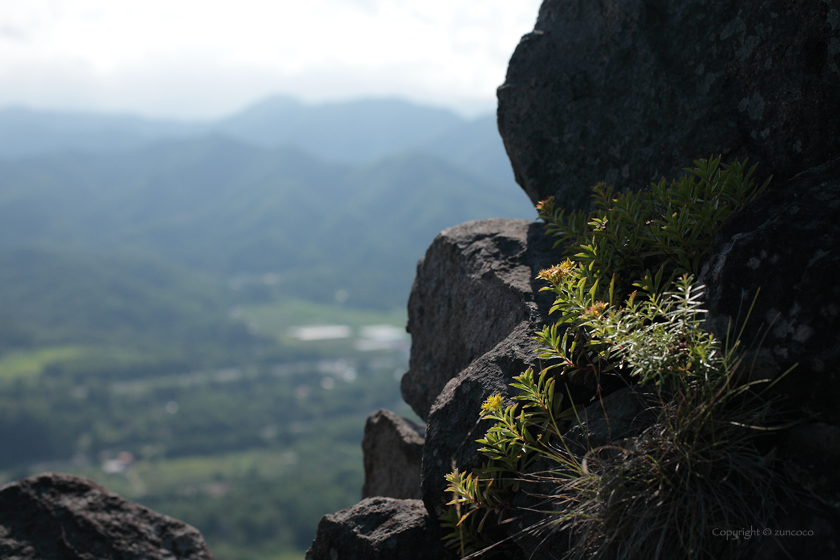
x=206, y=58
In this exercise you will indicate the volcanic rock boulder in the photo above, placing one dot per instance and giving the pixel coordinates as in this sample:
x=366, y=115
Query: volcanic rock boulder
x=454, y=424
x=393, y=449
x=812, y=453
x=785, y=243
x=628, y=92
x=70, y=518
x=379, y=529
x=474, y=310
x=474, y=286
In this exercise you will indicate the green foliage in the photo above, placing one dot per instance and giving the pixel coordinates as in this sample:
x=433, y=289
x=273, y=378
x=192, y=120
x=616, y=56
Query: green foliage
x=253, y=457
x=697, y=466
x=522, y=434
x=664, y=233
x=122, y=313
x=662, y=494
x=651, y=337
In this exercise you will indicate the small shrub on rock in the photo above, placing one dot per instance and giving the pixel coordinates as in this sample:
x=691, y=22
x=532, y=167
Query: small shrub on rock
x=628, y=308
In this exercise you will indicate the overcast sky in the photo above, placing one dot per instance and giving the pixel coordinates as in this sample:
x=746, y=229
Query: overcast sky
x=206, y=58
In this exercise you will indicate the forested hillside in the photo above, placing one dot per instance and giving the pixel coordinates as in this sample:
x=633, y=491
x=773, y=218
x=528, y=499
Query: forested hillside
x=224, y=207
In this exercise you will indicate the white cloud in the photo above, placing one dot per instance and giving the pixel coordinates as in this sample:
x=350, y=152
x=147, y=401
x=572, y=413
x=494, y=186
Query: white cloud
x=192, y=58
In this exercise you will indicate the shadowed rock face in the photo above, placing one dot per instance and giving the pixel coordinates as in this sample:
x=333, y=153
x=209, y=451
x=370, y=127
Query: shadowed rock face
x=454, y=424
x=629, y=91
x=493, y=295
x=393, y=449
x=475, y=302
x=785, y=243
x=64, y=517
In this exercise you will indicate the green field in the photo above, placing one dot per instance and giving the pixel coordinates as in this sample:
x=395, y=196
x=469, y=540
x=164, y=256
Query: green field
x=274, y=319
x=252, y=454
x=23, y=364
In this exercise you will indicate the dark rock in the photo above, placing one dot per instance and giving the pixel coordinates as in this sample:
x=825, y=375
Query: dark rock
x=393, y=449
x=59, y=516
x=622, y=414
x=454, y=424
x=785, y=243
x=379, y=528
x=811, y=453
x=536, y=533
x=473, y=288
x=627, y=92
x=803, y=531
x=497, y=263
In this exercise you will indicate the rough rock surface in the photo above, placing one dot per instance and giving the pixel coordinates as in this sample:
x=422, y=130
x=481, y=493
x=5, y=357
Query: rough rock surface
x=812, y=453
x=627, y=92
x=393, y=449
x=786, y=243
x=803, y=532
x=379, y=529
x=496, y=274
x=622, y=414
x=59, y=516
x=454, y=424
x=474, y=286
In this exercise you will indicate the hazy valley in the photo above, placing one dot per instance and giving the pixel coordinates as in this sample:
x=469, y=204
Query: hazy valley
x=157, y=278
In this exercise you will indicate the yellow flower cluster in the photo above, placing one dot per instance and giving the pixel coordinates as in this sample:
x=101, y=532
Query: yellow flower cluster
x=546, y=206
x=557, y=272
x=596, y=309
x=493, y=403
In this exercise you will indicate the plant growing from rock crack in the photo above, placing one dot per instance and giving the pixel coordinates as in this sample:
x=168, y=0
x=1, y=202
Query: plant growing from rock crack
x=659, y=494
x=667, y=231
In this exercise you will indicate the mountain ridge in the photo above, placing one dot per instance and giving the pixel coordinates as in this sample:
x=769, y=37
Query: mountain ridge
x=355, y=132
x=224, y=207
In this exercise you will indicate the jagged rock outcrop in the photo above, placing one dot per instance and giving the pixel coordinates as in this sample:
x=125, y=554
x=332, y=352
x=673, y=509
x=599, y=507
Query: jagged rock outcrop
x=628, y=92
x=393, y=449
x=786, y=244
x=508, y=253
x=473, y=287
x=512, y=252
x=454, y=424
x=379, y=529
x=475, y=279
x=64, y=517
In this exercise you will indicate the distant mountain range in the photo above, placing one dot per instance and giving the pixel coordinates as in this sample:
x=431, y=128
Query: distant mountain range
x=355, y=132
